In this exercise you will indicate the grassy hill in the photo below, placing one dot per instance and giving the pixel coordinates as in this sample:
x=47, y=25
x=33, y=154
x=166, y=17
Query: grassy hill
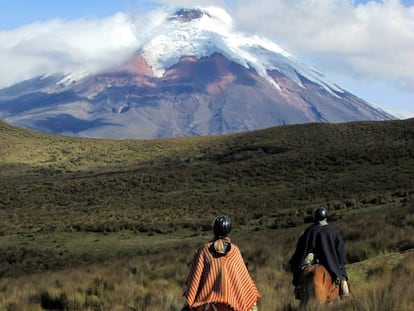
x=68, y=203
x=280, y=174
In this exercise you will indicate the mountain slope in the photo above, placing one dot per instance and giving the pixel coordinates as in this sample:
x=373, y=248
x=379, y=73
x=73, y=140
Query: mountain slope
x=371, y=143
x=196, y=76
x=61, y=195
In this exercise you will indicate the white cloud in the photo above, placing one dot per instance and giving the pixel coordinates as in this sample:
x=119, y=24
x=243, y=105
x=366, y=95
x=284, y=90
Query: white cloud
x=369, y=44
x=64, y=46
x=366, y=42
x=371, y=41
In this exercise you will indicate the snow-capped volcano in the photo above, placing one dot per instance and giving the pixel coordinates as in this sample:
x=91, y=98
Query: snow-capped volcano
x=192, y=75
x=202, y=32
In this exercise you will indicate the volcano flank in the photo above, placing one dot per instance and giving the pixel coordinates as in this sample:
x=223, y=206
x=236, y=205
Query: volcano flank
x=195, y=76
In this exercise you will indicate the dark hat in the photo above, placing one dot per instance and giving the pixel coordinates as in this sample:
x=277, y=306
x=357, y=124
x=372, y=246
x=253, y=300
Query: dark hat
x=222, y=226
x=320, y=214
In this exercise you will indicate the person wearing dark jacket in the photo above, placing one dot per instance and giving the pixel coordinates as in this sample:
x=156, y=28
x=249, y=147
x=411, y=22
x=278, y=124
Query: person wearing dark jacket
x=321, y=243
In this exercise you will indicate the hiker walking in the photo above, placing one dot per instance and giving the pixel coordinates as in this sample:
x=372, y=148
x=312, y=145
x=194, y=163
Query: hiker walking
x=321, y=243
x=218, y=279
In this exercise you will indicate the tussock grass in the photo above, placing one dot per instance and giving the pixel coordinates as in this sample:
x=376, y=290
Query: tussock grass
x=156, y=282
x=89, y=224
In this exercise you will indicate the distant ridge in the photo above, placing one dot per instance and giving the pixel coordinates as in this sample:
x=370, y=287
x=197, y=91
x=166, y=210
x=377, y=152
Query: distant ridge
x=33, y=149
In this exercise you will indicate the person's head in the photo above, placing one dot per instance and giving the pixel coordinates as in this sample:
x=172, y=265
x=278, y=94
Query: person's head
x=320, y=214
x=221, y=226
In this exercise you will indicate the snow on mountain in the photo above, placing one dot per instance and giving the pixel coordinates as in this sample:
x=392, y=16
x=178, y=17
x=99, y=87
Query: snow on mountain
x=200, y=32
x=191, y=74
x=72, y=78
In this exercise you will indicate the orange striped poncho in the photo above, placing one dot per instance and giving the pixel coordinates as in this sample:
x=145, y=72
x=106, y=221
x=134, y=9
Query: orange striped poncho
x=215, y=278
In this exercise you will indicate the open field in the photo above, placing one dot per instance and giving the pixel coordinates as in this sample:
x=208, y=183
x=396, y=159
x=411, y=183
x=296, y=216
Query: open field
x=153, y=278
x=89, y=224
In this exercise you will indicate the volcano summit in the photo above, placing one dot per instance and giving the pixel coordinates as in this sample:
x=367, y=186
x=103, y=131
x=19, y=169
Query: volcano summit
x=193, y=76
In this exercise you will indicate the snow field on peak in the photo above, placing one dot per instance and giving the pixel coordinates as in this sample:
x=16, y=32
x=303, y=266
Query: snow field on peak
x=213, y=32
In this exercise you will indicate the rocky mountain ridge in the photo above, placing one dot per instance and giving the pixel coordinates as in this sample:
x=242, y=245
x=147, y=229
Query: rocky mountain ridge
x=195, y=76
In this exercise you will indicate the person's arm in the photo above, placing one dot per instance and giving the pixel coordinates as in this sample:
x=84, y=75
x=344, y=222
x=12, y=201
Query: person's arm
x=340, y=251
x=194, y=277
x=296, y=260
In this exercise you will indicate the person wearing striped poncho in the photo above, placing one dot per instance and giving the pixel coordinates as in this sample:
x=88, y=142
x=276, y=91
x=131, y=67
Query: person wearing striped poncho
x=218, y=279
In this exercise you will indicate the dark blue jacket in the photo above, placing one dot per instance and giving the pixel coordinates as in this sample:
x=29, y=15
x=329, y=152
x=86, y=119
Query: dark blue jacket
x=328, y=247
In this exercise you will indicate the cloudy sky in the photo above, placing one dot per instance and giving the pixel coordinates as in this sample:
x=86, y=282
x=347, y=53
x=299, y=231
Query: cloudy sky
x=365, y=46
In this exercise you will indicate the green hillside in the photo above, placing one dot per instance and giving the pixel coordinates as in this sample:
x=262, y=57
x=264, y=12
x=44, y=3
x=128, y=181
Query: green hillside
x=70, y=202
x=280, y=173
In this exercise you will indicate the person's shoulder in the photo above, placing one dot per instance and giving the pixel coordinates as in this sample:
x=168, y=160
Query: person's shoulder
x=234, y=246
x=204, y=246
x=235, y=250
x=311, y=228
x=329, y=228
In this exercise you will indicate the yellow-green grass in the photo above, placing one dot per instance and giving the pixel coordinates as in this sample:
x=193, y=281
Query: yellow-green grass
x=92, y=224
x=156, y=282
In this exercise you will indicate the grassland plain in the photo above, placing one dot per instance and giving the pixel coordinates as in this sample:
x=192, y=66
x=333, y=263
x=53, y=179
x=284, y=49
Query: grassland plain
x=89, y=224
